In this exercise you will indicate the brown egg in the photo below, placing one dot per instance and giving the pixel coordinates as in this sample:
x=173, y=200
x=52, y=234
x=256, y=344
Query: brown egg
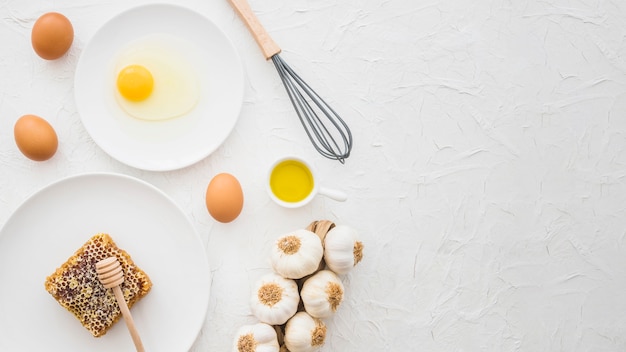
x=52, y=35
x=224, y=198
x=35, y=138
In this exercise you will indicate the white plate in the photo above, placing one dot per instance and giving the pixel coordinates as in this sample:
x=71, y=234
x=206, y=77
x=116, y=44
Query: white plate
x=54, y=222
x=170, y=144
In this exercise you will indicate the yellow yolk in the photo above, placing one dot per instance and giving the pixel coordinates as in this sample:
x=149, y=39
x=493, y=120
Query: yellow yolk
x=135, y=82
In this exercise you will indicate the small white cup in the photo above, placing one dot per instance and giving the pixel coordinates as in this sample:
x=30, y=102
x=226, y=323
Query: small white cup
x=315, y=189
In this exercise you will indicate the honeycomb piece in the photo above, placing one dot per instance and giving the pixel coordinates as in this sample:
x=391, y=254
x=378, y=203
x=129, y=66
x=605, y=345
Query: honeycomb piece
x=76, y=287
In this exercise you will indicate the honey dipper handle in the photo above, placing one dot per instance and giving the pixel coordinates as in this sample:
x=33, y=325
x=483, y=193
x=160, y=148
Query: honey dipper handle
x=130, y=323
x=262, y=38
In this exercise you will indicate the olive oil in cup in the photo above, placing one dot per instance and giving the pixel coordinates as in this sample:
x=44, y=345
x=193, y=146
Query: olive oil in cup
x=292, y=184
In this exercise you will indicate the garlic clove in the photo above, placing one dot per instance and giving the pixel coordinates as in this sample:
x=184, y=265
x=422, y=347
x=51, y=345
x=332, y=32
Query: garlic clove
x=304, y=333
x=342, y=249
x=322, y=294
x=297, y=254
x=259, y=337
x=274, y=299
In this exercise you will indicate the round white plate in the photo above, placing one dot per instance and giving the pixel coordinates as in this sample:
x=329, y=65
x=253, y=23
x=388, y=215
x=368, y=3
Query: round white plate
x=177, y=142
x=57, y=220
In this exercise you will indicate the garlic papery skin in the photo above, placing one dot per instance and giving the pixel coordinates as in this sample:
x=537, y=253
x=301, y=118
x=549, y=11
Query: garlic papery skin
x=274, y=299
x=297, y=254
x=304, y=333
x=342, y=249
x=322, y=293
x=259, y=337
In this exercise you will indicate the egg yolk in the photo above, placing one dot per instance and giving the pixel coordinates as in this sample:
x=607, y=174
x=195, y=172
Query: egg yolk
x=135, y=82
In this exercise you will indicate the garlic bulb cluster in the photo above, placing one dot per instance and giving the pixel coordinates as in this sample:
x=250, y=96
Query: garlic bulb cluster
x=274, y=299
x=297, y=254
x=342, y=249
x=306, y=266
x=259, y=337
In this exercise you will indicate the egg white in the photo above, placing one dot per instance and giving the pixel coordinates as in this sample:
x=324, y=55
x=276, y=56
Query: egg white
x=176, y=88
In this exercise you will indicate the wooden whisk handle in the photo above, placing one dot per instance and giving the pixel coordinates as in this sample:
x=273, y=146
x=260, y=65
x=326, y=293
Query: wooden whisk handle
x=128, y=318
x=262, y=38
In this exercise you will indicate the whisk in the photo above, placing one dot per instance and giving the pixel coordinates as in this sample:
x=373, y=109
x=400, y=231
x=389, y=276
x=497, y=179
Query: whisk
x=333, y=141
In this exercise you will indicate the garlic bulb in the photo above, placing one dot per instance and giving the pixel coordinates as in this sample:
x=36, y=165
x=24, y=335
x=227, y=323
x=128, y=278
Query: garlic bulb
x=304, y=333
x=274, y=299
x=259, y=337
x=322, y=294
x=342, y=250
x=297, y=254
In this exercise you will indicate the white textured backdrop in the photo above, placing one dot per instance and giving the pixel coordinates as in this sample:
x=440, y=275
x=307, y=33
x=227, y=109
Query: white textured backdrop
x=487, y=178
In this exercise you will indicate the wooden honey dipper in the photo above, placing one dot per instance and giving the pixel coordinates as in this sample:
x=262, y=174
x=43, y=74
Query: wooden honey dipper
x=111, y=275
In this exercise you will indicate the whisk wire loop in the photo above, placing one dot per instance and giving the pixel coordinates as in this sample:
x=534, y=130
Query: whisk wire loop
x=324, y=141
x=313, y=125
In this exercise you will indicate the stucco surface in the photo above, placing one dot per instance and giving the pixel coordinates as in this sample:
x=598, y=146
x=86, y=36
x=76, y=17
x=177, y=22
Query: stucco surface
x=487, y=179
